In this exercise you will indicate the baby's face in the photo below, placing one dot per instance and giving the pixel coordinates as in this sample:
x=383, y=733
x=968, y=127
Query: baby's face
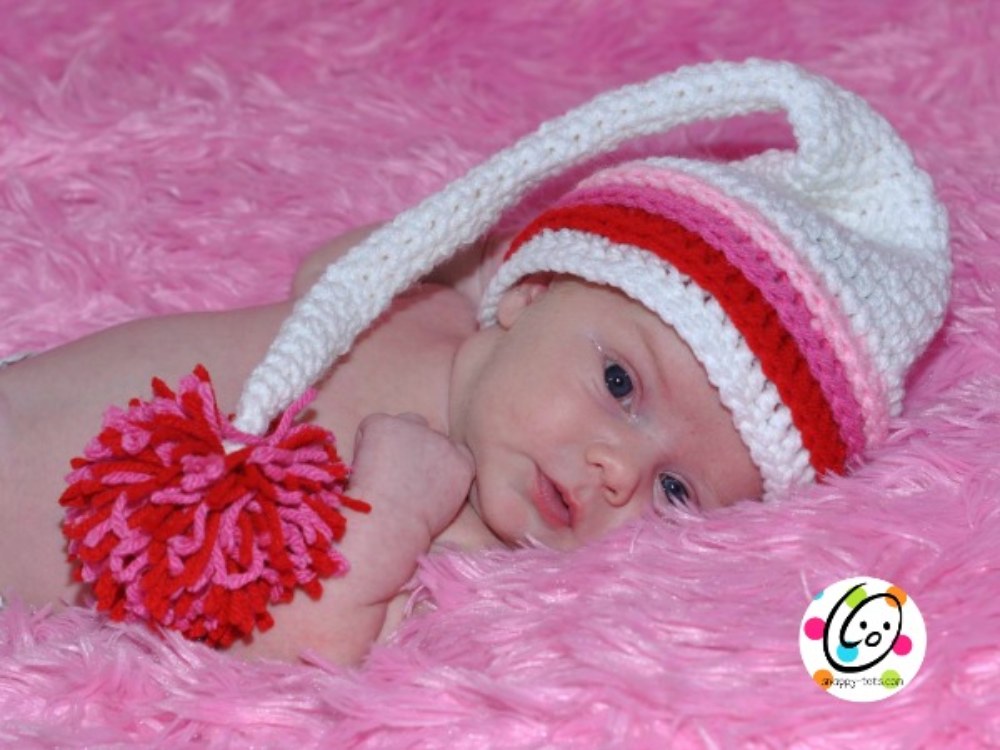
x=583, y=410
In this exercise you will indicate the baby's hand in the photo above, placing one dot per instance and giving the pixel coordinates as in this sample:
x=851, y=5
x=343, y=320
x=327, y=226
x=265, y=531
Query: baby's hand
x=414, y=472
x=416, y=480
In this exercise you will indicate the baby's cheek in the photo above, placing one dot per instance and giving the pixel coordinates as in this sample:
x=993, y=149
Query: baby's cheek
x=502, y=509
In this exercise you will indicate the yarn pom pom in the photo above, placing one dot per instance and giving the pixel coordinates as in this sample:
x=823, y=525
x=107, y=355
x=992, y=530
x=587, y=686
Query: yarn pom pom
x=171, y=529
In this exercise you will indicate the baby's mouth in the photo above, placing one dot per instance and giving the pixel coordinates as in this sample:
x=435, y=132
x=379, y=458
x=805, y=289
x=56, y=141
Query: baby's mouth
x=550, y=502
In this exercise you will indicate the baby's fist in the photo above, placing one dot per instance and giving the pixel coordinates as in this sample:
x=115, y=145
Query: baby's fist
x=411, y=470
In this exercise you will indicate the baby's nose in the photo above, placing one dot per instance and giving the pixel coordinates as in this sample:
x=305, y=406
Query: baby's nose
x=617, y=471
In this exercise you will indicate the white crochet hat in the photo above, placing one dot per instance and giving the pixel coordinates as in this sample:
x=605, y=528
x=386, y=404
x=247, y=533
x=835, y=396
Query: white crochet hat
x=806, y=282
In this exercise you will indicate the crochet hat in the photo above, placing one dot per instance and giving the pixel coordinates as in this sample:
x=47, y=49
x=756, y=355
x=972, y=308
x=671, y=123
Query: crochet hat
x=805, y=281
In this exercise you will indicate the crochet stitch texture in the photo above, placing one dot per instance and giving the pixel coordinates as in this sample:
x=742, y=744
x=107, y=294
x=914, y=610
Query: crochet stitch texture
x=841, y=246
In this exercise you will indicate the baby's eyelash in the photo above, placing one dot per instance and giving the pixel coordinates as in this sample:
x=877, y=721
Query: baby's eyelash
x=674, y=489
x=620, y=383
x=618, y=380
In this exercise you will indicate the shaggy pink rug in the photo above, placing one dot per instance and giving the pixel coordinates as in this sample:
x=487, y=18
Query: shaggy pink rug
x=158, y=157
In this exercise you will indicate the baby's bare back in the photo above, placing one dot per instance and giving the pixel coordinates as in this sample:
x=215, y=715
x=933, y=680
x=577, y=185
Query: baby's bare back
x=51, y=405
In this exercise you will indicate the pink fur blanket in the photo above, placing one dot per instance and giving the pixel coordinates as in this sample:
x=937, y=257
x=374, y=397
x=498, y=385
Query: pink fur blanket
x=159, y=157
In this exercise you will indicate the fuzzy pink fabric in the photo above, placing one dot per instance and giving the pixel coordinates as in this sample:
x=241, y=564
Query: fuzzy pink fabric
x=158, y=157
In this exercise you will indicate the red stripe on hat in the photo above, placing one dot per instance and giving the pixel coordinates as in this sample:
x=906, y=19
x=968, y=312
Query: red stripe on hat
x=754, y=317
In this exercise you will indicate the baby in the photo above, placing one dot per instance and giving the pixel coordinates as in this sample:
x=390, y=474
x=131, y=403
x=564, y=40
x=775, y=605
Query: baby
x=669, y=334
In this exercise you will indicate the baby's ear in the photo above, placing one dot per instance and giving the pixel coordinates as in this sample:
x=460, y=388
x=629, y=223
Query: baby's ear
x=519, y=297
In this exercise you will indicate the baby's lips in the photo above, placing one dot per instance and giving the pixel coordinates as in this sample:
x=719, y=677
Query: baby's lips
x=550, y=503
x=571, y=503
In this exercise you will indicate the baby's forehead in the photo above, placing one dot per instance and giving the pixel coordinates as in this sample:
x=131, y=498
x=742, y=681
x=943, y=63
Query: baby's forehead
x=583, y=288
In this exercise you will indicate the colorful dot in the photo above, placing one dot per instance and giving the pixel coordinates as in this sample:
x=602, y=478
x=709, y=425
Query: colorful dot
x=819, y=595
x=898, y=593
x=857, y=596
x=823, y=678
x=902, y=646
x=847, y=653
x=891, y=679
x=814, y=628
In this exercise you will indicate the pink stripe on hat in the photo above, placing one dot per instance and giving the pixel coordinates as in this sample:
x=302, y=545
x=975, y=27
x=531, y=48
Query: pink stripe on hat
x=743, y=254
x=845, y=215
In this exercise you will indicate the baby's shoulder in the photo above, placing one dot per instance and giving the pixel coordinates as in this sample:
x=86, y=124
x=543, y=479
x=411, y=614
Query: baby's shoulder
x=402, y=363
x=432, y=312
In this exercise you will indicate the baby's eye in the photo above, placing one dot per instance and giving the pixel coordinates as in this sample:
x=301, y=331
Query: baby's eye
x=674, y=490
x=618, y=381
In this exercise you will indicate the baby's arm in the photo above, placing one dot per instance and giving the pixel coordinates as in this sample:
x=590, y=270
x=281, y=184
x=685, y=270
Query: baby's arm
x=416, y=481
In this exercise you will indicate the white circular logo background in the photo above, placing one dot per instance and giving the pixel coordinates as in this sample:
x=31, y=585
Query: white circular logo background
x=862, y=639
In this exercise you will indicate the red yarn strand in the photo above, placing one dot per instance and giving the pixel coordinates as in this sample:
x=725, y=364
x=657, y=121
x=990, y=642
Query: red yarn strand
x=169, y=529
